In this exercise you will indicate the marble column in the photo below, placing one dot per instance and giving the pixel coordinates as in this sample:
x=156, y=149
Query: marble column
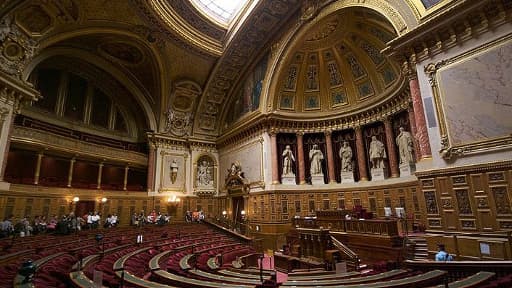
x=361, y=155
x=419, y=116
x=125, y=181
x=330, y=157
x=70, y=172
x=38, y=168
x=414, y=131
x=151, y=168
x=300, y=156
x=100, y=172
x=275, y=156
x=390, y=145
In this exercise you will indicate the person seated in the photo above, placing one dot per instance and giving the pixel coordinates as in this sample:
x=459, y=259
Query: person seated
x=114, y=221
x=442, y=255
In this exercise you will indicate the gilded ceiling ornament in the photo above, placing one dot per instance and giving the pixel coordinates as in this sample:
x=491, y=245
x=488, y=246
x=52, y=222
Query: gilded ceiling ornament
x=309, y=10
x=16, y=49
x=178, y=123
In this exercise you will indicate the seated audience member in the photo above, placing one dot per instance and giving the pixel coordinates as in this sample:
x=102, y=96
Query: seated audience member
x=108, y=221
x=6, y=227
x=95, y=219
x=114, y=220
x=152, y=217
x=442, y=255
x=134, y=219
x=52, y=224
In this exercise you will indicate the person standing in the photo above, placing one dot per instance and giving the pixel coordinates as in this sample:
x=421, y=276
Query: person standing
x=442, y=255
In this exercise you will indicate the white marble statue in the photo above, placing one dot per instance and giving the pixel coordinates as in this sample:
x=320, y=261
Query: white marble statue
x=174, y=170
x=346, y=157
x=204, y=174
x=377, y=153
x=288, y=160
x=405, y=146
x=315, y=159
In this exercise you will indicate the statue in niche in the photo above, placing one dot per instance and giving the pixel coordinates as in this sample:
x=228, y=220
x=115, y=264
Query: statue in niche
x=204, y=174
x=288, y=160
x=174, y=171
x=405, y=146
x=377, y=153
x=346, y=157
x=235, y=170
x=315, y=159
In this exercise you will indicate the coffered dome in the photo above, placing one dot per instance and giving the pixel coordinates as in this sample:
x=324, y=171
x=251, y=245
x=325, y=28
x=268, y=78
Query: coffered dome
x=336, y=66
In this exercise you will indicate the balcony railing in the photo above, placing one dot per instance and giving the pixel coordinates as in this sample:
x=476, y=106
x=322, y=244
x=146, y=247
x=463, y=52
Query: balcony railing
x=368, y=226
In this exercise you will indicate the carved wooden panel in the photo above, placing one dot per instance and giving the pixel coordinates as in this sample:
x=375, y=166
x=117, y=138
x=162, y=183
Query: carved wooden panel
x=446, y=203
x=463, y=202
x=443, y=185
x=501, y=199
x=434, y=223
x=496, y=176
x=431, y=202
x=468, y=224
x=487, y=220
x=477, y=183
x=459, y=180
x=450, y=218
x=427, y=183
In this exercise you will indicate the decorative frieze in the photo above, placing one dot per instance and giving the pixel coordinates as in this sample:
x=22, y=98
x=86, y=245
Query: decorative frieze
x=467, y=20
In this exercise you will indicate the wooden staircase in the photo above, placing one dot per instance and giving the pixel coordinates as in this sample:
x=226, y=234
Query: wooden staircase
x=417, y=248
x=352, y=259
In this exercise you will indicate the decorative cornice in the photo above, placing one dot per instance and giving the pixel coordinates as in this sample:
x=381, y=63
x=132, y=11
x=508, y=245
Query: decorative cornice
x=197, y=19
x=249, y=41
x=155, y=21
x=180, y=26
x=473, y=168
x=450, y=27
x=277, y=124
x=163, y=140
x=16, y=92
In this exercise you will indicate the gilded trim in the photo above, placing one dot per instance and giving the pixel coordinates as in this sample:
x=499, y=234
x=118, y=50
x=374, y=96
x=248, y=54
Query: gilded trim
x=448, y=149
x=474, y=168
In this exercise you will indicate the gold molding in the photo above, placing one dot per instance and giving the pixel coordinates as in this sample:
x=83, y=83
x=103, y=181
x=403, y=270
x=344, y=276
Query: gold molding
x=473, y=168
x=162, y=189
x=435, y=34
x=37, y=138
x=448, y=150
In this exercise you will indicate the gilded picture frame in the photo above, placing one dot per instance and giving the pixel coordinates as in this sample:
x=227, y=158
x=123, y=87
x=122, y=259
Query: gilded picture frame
x=473, y=96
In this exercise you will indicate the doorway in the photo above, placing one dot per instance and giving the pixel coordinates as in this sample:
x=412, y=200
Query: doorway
x=238, y=207
x=83, y=207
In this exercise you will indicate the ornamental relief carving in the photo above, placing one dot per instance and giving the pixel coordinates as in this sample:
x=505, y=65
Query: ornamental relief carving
x=431, y=203
x=16, y=49
x=501, y=200
x=446, y=203
x=463, y=201
x=482, y=202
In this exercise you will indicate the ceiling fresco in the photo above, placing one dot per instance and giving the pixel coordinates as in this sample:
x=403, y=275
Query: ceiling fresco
x=152, y=47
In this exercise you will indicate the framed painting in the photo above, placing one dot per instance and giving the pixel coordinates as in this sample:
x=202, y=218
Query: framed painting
x=473, y=98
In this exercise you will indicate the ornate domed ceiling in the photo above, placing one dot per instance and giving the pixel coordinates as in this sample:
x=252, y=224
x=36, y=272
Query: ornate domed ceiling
x=337, y=67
